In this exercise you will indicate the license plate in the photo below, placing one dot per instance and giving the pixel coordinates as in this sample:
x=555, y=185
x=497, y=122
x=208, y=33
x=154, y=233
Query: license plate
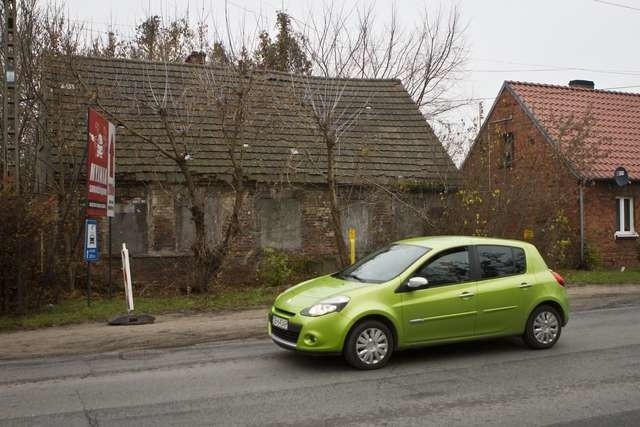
x=279, y=322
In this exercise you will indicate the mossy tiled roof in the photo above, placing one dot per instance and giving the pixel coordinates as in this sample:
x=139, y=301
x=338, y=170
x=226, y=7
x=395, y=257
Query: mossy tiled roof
x=383, y=136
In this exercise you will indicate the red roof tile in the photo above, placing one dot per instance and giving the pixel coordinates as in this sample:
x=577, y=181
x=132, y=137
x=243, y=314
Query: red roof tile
x=614, y=133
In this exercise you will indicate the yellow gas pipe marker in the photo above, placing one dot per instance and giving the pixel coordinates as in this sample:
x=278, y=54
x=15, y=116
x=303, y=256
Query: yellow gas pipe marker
x=352, y=245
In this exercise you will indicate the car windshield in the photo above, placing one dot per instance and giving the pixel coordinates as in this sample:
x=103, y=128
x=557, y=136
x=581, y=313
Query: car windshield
x=383, y=265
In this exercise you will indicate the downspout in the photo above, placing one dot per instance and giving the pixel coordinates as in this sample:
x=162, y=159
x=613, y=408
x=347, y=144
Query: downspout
x=582, y=264
x=489, y=161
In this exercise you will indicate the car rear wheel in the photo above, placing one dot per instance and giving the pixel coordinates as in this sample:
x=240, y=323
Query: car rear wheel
x=543, y=327
x=369, y=345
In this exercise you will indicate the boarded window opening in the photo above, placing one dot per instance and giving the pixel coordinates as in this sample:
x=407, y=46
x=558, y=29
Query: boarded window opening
x=280, y=223
x=507, y=140
x=129, y=225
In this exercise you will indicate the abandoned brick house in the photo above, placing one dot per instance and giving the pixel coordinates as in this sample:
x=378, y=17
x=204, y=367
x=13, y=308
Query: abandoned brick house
x=391, y=167
x=557, y=147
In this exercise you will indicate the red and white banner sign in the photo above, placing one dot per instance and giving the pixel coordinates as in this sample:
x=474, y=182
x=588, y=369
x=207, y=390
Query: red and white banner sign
x=111, y=172
x=100, y=164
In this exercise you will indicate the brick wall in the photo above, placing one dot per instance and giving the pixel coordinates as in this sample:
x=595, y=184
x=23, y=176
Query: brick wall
x=530, y=193
x=162, y=219
x=386, y=218
x=317, y=233
x=540, y=184
x=600, y=223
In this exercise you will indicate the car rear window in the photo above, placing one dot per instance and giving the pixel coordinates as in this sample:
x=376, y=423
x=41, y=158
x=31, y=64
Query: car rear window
x=499, y=261
x=520, y=261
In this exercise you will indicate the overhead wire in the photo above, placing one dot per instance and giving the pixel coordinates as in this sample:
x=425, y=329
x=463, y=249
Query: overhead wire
x=624, y=6
x=539, y=67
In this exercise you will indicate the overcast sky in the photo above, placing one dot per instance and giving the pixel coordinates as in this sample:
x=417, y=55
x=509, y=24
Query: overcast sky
x=545, y=41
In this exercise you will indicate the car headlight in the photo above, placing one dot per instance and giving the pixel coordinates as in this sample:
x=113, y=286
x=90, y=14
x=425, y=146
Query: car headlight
x=326, y=306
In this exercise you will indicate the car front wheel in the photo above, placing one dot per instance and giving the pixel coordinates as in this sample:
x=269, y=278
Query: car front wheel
x=369, y=345
x=543, y=327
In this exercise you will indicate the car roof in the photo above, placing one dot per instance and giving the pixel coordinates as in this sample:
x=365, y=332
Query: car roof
x=443, y=242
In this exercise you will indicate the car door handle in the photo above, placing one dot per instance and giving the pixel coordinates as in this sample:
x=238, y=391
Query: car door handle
x=466, y=294
x=525, y=285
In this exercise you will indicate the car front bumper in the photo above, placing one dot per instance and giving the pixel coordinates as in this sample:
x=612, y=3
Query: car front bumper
x=322, y=334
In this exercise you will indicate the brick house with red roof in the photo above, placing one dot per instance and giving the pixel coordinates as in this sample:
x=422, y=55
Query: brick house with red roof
x=556, y=148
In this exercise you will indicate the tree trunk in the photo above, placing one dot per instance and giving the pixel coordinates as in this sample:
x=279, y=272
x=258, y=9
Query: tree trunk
x=341, y=246
x=5, y=292
x=234, y=221
x=233, y=228
x=204, y=257
x=20, y=297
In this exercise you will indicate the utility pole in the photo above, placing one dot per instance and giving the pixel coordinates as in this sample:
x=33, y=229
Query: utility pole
x=10, y=149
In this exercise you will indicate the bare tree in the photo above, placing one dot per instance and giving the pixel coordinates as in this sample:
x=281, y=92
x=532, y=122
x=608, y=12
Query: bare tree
x=456, y=136
x=330, y=115
x=503, y=195
x=427, y=58
x=233, y=99
x=183, y=109
x=222, y=91
x=62, y=162
x=41, y=32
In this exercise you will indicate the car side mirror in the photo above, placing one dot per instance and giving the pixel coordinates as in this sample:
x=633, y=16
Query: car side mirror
x=417, y=282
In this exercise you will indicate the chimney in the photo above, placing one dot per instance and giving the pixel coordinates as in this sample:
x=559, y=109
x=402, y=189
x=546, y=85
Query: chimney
x=196, y=57
x=582, y=84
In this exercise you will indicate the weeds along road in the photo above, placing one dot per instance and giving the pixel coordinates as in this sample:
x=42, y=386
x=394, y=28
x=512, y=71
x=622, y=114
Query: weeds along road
x=591, y=377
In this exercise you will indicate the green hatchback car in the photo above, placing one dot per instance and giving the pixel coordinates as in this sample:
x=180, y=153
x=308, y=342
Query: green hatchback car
x=424, y=291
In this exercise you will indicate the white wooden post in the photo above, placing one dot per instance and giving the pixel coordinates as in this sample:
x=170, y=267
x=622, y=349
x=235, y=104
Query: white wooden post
x=126, y=272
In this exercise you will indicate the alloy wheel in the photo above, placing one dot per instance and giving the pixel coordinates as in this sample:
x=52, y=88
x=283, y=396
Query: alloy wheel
x=372, y=346
x=545, y=327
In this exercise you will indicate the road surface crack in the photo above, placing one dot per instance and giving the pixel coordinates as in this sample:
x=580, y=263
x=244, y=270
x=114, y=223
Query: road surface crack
x=91, y=420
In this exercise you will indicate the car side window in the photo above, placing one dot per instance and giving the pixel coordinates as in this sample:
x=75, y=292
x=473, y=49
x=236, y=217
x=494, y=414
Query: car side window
x=519, y=260
x=448, y=267
x=500, y=261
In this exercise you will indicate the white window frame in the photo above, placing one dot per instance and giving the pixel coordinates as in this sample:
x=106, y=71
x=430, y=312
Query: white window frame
x=621, y=232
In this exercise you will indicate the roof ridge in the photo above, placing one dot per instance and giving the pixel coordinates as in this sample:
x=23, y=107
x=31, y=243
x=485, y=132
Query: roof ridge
x=265, y=72
x=557, y=86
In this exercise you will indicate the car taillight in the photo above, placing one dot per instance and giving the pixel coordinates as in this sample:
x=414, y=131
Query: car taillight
x=558, y=278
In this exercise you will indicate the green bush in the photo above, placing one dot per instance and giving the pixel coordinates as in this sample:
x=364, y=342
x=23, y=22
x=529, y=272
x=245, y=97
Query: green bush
x=557, y=245
x=25, y=227
x=591, y=256
x=275, y=268
x=303, y=265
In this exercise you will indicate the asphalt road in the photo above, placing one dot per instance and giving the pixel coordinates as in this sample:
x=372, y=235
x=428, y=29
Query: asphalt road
x=590, y=378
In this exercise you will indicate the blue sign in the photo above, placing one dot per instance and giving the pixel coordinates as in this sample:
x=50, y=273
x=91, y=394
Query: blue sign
x=91, y=251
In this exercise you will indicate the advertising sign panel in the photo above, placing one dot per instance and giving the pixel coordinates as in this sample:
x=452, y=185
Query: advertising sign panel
x=111, y=171
x=97, y=164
